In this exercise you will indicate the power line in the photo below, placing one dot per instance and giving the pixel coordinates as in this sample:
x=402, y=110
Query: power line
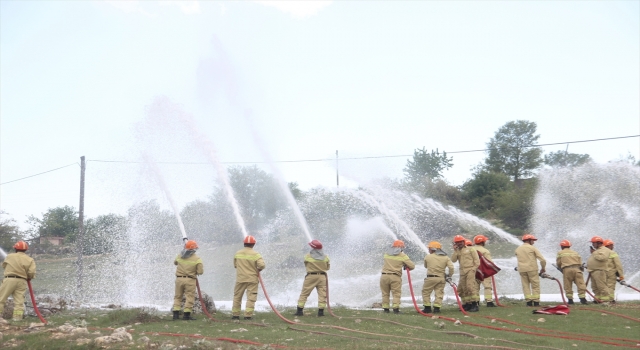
x=48, y=171
x=355, y=158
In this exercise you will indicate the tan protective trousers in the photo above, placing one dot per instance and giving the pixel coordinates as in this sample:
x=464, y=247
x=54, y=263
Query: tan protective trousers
x=391, y=284
x=15, y=287
x=252, y=295
x=488, y=290
x=599, y=285
x=470, y=287
x=611, y=284
x=184, y=287
x=433, y=284
x=312, y=282
x=530, y=285
x=573, y=275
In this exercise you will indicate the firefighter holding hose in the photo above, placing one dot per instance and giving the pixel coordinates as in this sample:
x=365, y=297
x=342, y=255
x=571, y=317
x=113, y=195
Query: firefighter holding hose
x=436, y=263
x=188, y=267
x=615, y=270
x=480, y=241
x=18, y=268
x=247, y=263
x=527, y=255
x=597, y=267
x=468, y=264
x=317, y=265
x=570, y=263
x=391, y=280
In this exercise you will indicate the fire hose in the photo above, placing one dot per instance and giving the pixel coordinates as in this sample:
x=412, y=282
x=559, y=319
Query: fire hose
x=415, y=304
x=495, y=292
x=33, y=301
x=544, y=275
x=204, y=307
x=586, y=283
x=622, y=282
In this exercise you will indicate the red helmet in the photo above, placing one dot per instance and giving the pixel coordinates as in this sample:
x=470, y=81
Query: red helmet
x=458, y=238
x=480, y=239
x=315, y=244
x=529, y=237
x=21, y=245
x=191, y=245
x=468, y=243
x=398, y=244
x=249, y=240
x=608, y=242
x=596, y=239
x=565, y=243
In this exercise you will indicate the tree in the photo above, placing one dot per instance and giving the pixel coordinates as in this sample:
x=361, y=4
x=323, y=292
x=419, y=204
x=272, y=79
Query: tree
x=102, y=233
x=55, y=222
x=484, y=188
x=426, y=166
x=512, y=150
x=9, y=232
x=564, y=159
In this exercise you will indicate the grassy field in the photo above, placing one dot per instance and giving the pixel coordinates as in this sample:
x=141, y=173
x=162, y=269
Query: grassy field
x=353, y=329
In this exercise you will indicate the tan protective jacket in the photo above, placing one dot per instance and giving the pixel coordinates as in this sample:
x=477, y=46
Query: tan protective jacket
x=313, y=265
x=614, y=263
x=468, y=258
x=527, y=255
x=567, y=257
x=190, y=266
x=247, y=263
x=598, y=259
x=394, y=263
x=436, y=265
x=19, y=264
x=485, y=252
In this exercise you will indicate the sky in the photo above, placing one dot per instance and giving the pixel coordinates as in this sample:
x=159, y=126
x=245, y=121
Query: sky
x=297, y=81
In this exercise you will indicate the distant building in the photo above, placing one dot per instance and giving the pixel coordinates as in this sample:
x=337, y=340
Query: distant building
x=52, y=240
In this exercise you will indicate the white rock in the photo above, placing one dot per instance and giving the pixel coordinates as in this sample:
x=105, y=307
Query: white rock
x=541, y=319
x=80, y=330
x=457, y=323
x=493, y=320
x=66, y=328
x=36, y=324
x=144, y=339
x=82, y=341
x=358, y=320
x=239, y=330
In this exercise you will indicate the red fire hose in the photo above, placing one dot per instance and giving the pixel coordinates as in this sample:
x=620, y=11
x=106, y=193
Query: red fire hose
x=628, y=285
x=264, y=289
x=33, y=301
x=413, y=297
x=204, y=307
x=544, y=275
x=495, y=292
x=588, y=292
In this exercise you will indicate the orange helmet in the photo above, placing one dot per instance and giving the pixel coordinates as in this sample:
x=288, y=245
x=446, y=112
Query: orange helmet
x=191, y=245
x=565, y=243
x=249, y=240
x=398, y=244
x=458, y=238
x=596, y=239
x=608, y=242
x=434, y=245
x=21, y=245
x=529, y=237
x=315, y=244
x=480, y=239
x=468, y=243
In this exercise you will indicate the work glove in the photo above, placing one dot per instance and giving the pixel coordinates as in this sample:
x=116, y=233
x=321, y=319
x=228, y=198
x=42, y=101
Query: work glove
x=621, y=278
x=591, y=249
x=515, y=268
x=543, y=271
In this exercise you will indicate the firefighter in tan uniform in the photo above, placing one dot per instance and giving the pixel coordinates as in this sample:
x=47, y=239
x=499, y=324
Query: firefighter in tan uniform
x=18, y=269
x=468, y=264
x=317, y=265
x=247, y=263
x=391, y=280
x=597, y=267
x=570, y=263
x=527, y=255
x=436, y=263
x=615, y=272
x=189, y=266
x=480, y=241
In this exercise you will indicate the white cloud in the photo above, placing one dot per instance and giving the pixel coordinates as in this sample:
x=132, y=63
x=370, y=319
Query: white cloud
x=297, y=9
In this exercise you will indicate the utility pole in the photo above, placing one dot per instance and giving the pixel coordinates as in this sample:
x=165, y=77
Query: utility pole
x=79, y=241
x=337, y=175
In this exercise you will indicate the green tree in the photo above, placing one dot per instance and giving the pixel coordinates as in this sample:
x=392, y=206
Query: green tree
x=55, y=222
x=483, y=189
x=514, y=208
x=564, y=159
x=9, y=232
x=102, y=233
x=512, y=150
x=426, y=166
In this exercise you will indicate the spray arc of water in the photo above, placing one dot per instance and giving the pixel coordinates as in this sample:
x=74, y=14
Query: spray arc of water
x=3, y=254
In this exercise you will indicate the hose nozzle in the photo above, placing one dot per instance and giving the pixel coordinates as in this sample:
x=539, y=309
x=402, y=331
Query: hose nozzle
x=545, y=275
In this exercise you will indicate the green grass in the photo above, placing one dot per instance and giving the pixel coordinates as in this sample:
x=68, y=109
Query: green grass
x=355, y=329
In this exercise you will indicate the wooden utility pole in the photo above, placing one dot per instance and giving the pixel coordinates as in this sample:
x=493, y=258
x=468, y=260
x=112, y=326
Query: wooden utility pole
x=80, y=239
x=337, y=176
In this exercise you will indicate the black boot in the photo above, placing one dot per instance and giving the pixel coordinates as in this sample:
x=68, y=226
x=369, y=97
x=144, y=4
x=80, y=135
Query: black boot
x=529, y=303
x=176, y=315
x=248, y=318
x=235, y=317
x=299, y=312
x=490, y=304
x=583, y=301
x=474, y=307
x=570, y=301
x=320, y=312
x=436, y=310
x=386, y=311
x=396, y=311
x=427, y=309
x=188, y=317
x=466, y=307
x=536, y=303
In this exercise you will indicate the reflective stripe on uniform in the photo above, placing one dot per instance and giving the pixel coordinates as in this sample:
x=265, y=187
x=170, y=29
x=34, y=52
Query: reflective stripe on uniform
x=248, y=257
x=395, y=257
x=567, y=254
x=613, y=255
x=310, y=259
x=188, y=262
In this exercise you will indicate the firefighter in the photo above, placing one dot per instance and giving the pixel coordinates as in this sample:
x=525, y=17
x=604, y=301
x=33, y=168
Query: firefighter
x=468, y=264
x=189, y=266
x=597, y=267
x=527, y=255
x=570, y=262
x=436, y=262
x=615, y=270
x=247, y=263
x=391, y=280
x=480, y=241
x=18, y=269
x=317, y=265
